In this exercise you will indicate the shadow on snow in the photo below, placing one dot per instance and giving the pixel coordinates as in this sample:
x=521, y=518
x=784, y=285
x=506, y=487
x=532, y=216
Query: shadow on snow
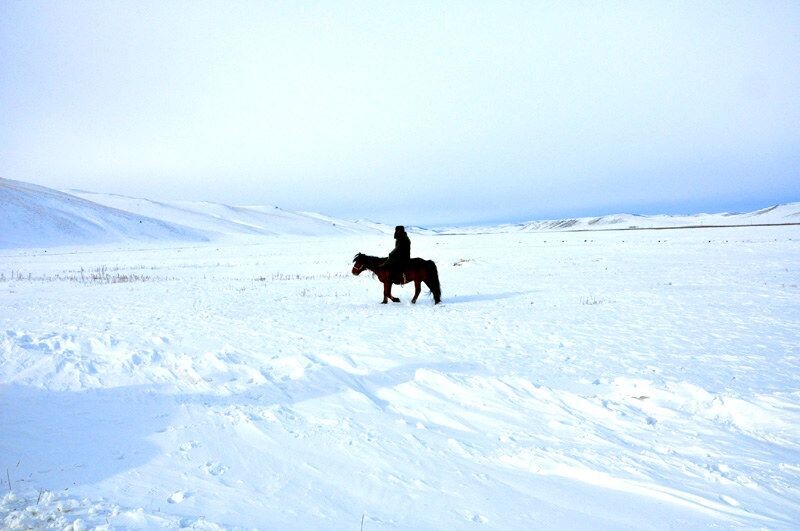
x=460, y=299
x=62, y=439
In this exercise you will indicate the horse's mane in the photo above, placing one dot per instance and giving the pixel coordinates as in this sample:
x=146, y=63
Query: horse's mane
x=369, y=261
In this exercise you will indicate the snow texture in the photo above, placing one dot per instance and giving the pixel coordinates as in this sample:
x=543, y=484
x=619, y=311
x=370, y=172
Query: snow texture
x=570, y=380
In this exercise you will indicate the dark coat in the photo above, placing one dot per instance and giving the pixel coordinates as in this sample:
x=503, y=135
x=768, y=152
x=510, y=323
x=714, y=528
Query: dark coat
x=401, y=252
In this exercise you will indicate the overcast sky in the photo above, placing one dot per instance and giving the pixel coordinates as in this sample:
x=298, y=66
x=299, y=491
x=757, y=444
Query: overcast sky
x=408, y=112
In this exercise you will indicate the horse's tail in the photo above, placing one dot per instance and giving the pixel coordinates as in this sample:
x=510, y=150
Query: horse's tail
x=433, y=282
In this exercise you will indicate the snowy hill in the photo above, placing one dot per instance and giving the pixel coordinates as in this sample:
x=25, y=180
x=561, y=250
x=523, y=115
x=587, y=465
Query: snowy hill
x=218, y=219
x=35, y=216
x=785, y=214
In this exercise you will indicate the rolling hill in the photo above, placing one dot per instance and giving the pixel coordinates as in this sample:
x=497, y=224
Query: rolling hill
x=35, y=217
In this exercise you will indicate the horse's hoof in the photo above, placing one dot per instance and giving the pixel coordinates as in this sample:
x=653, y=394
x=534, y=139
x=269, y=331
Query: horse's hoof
x=395, y=300
x=384, y=302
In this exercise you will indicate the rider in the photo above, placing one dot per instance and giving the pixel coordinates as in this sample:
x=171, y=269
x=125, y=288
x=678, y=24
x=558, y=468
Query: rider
x=400, y=255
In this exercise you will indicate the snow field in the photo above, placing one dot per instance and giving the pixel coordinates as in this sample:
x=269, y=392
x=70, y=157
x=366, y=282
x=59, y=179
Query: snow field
x=570, y=380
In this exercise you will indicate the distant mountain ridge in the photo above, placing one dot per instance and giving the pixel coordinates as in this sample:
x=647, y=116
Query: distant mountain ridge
x=33, y=216
x=784, y=214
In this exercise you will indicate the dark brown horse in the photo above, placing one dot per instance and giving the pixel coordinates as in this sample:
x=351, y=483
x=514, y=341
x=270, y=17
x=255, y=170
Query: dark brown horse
x=417, y=271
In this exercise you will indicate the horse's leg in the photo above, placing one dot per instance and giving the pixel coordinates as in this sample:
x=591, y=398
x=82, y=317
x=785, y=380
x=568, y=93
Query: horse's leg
x=417, y=289
x=394, y=299
x=387, y=291
x=387, y=288
x=434, y=297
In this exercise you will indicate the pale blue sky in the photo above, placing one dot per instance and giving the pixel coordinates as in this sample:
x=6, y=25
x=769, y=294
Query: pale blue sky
x=408, y=112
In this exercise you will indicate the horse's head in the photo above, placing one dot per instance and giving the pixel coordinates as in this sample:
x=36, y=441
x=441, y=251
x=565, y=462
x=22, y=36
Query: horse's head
x=358, y=264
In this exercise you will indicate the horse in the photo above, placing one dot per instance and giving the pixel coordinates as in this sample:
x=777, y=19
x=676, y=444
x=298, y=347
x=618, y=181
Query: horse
x=417, y=270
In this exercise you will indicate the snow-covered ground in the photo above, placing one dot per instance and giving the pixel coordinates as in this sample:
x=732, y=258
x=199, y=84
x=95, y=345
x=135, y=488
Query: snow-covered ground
x=643, y=379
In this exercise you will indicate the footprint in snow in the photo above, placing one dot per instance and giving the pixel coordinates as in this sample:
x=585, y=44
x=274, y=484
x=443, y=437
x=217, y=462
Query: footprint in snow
x=178, y=496
x=215, y=469
x=185, y=447
x=160, y=340
x=477, y=518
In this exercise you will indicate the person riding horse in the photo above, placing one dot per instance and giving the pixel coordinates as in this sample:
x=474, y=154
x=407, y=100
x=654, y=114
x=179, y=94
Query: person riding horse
x=400, y=268
x=400, y=255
